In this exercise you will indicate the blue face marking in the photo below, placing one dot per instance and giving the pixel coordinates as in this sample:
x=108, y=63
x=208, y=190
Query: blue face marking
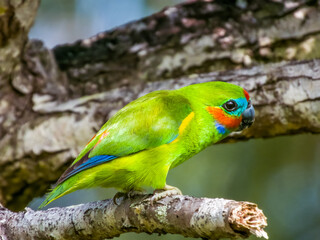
x=221, y=129
x=242, y=105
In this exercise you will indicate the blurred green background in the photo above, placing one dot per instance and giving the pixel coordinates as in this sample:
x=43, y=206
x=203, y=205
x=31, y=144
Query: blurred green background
x=281, y=174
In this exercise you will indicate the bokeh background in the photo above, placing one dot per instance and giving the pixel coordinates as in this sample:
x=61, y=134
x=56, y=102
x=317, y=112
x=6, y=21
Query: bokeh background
x=281, y=174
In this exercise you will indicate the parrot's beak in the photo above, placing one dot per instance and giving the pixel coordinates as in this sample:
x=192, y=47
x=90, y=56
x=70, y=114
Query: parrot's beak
x=247, y=117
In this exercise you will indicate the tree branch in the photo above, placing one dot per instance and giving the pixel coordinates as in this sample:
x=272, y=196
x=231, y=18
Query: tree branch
x=188, y=216
x=192, y=37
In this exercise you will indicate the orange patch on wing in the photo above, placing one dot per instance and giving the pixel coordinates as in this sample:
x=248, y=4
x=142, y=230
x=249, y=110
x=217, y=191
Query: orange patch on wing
x=91, y=140
x=103, y=135
x=228, y=121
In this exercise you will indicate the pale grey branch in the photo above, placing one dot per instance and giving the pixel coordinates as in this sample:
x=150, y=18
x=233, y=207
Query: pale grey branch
x=188, y=216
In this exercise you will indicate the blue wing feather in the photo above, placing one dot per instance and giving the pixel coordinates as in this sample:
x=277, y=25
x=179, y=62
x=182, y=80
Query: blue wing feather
x=89, y=163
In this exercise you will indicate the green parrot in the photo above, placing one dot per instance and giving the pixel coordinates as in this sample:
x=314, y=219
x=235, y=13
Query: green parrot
x=139, y=145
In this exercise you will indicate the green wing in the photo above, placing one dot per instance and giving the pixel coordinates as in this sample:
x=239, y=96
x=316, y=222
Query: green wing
x=145, y=123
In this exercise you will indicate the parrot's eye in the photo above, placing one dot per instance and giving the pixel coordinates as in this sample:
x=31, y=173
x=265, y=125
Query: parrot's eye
x=231, y=105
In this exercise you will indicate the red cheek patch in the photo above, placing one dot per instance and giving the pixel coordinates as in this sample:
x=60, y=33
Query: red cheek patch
x=230, y=122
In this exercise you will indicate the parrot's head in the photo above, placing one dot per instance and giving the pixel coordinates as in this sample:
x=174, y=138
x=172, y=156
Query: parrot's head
x=229, y=105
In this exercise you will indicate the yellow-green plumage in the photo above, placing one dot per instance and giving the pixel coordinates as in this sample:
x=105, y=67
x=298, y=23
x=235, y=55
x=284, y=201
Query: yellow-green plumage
x=138, y=145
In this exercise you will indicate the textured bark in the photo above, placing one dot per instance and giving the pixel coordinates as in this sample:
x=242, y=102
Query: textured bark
x=190, y=217
x=193, y=37
x=53, y=101
x=286, y=98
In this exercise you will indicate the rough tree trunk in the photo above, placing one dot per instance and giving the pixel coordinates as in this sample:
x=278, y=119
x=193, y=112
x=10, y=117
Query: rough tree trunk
x=76, y=87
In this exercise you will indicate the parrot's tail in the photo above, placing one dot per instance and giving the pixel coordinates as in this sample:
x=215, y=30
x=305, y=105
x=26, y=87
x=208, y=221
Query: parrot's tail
x=83, y=179
x=56, y=193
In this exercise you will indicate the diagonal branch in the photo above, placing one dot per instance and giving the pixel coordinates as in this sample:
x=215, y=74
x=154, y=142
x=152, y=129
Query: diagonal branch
x=191, y=217
x=286, y=97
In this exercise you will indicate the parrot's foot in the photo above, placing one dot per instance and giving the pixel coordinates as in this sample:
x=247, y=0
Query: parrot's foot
x=130, y=195
x=165, y=192
x=117, y=196
x=133, y=194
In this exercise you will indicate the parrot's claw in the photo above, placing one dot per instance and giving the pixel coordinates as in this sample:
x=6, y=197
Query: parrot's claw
x=130, y=195
x=117, y=196
x=133, y=194
x=165, y=192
